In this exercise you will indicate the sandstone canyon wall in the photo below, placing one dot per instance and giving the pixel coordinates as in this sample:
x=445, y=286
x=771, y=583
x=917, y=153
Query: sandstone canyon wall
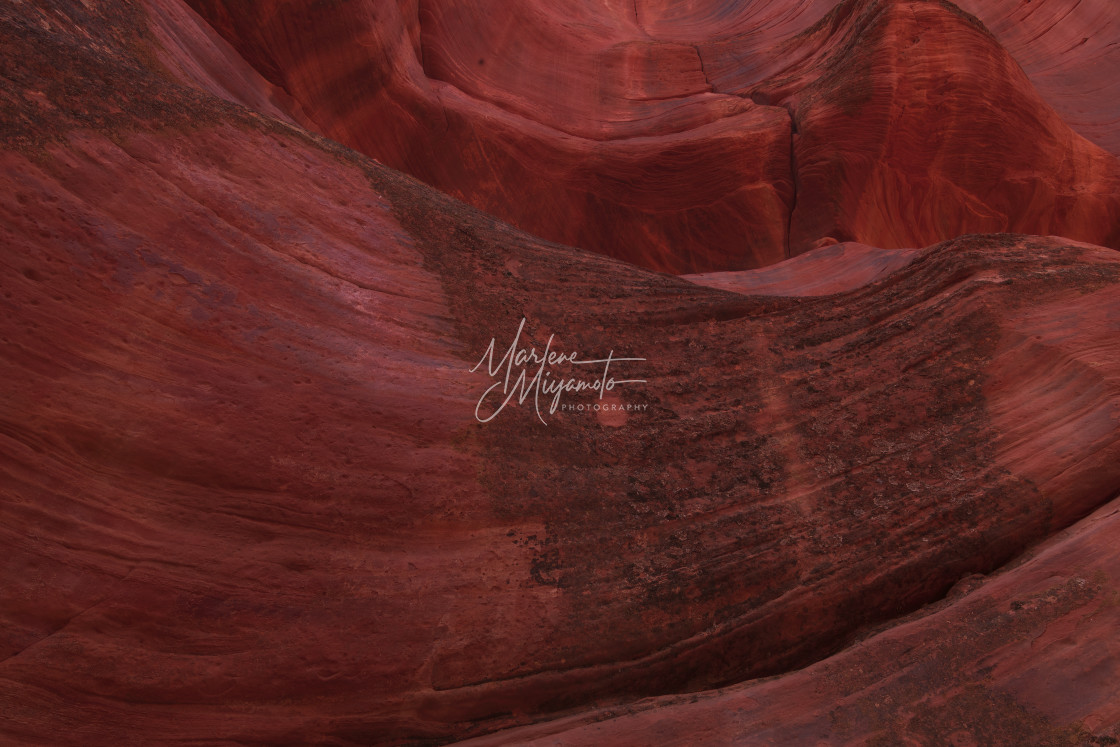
x=869, y=495
x=713, y=136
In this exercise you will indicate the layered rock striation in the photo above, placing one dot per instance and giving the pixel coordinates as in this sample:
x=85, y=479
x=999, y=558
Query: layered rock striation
x=246, y=497
x=708, y=136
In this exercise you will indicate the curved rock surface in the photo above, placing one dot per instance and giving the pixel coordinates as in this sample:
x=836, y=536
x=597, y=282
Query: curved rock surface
x=1069, y=50
x=903, y=112
x=246, y=498
x=991, y=665
x=819, y=272
x=658, y=132
x=705, y=186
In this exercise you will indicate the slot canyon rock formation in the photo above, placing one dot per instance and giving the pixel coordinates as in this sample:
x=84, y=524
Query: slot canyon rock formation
x=690, y=137
x=868, y=493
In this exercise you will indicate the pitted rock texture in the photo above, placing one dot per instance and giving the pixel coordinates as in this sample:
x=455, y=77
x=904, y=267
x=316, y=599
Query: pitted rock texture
x=993, y=664
x=245, y=499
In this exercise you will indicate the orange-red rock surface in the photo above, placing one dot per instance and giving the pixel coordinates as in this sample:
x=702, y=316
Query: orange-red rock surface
x=914, y=124
x=658, y=132
x=1069, y=50
x=245, y=499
